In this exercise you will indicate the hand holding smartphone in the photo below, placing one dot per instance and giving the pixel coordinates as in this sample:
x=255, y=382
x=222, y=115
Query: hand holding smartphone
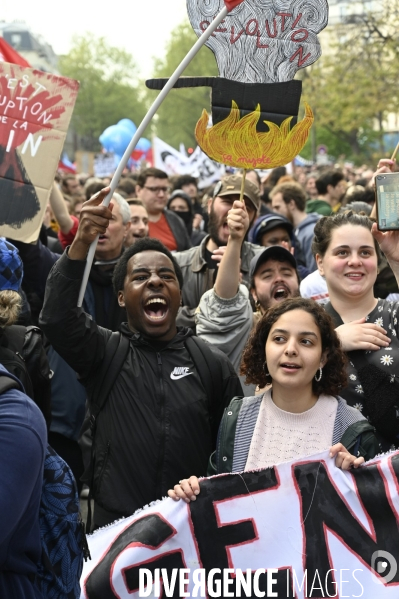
x=387, y=187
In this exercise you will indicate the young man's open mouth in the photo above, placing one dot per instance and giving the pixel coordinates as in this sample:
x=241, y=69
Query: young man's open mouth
x=156, y=309
x=280, y=292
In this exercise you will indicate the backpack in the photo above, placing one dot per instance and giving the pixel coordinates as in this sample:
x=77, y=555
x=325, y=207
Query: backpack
x=115, y=355
x=23, y=355
x=62, y=532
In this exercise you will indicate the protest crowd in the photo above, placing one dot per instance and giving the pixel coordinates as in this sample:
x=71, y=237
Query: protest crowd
x=216, y=335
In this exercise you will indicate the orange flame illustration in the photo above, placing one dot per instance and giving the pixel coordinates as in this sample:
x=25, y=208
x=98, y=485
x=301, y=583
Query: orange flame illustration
x=236, y=142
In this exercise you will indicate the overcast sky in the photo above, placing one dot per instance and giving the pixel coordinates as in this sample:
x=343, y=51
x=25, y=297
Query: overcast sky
x=142, y=27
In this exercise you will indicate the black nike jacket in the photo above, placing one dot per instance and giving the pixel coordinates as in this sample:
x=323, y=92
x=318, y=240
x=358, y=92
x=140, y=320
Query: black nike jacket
x=155, y=428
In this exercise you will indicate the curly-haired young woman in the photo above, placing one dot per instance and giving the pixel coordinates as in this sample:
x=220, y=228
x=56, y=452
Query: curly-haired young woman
x=295, y=348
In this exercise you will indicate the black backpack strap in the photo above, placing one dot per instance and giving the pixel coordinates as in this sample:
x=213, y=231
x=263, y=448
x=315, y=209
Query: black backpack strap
x=116, y=351
x=7, y=383
x=15, y=336
x=115, y=355
x=207, y=366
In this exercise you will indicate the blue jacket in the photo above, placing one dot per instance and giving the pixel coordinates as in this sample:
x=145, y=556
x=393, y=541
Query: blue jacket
x=23, y=441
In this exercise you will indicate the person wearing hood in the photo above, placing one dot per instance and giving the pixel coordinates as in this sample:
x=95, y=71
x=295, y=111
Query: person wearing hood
x=289, y=200
x=158, y=400
x=273, y=229
x=180, y=203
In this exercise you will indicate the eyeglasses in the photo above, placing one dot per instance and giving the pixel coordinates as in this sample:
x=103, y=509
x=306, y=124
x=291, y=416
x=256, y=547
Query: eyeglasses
x=158, y=189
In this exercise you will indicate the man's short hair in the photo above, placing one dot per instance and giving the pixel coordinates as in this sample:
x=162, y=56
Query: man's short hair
x=93, y=188
x=142, y=245
x=135, y=202
x=326, y=179
x=291, y=191
x=123, y=207
x=150, y=172
x=184, y=180
x=128, y=186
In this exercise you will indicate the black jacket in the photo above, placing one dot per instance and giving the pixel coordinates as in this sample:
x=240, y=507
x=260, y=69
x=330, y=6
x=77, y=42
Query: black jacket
x=154, y=429
x=179, y=230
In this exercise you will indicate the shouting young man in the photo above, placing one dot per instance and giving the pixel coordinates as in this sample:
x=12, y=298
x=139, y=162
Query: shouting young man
x=159, y=422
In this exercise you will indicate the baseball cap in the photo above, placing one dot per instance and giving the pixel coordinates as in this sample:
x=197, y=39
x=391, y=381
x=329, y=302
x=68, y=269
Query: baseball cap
x=267, y=223
x=232, y=185
x=274, y=252
x=11, y=269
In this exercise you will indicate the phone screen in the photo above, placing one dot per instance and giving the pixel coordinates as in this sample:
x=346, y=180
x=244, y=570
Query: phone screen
x=388, y=201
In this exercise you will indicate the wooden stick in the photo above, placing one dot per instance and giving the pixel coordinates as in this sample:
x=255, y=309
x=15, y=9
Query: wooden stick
x=243, y=174
x=395, y=151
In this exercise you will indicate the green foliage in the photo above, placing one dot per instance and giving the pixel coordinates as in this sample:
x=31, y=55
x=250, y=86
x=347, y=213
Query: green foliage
x=352, y=88
x=333, y=142
x=178, y=115
x=109, y=89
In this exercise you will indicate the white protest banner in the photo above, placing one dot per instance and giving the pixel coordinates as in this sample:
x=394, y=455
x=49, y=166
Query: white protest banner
x=104, y=164
x=208, y=170
x=198, y=164
x=301, y=529
x=168, y=159
x=35, y=110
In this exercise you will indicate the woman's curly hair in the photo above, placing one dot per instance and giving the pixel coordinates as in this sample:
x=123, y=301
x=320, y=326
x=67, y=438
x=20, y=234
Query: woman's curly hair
x=10, y=307
x=253, y=364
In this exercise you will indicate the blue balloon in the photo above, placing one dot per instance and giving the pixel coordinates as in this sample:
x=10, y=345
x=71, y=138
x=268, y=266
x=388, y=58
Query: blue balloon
x=128, y=125
x=115, y=139
x=143, y=144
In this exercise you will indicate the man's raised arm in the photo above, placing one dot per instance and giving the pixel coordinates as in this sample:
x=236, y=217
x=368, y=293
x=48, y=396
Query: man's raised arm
x=71, y=332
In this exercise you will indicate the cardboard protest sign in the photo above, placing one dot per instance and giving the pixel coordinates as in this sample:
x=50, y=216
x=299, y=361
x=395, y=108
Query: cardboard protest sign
x=35, y=110
x=258, y=47
x=301, y=529
x=84, y=162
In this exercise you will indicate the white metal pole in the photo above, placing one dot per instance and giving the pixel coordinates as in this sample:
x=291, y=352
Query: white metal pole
x=140, y=130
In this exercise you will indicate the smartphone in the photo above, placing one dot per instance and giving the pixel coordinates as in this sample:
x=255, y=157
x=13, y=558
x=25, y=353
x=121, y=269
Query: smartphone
x=387, y=187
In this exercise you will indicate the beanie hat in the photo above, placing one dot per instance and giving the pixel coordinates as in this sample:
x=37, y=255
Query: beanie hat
x=11, y=269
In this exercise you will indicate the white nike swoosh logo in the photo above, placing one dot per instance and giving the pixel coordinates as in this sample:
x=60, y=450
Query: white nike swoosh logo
x=175, y=377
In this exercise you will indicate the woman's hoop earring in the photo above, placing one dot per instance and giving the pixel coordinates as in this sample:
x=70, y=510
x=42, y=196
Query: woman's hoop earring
x=257, y=306
x=318, y=379
x=265, y=369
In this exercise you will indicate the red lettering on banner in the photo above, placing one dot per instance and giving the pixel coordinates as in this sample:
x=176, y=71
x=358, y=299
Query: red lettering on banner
x=36, y=105
x=255, y=30
x=283, y=16
x=295, y=23
x=299, y=53
x=205, y=24
x=303, y=32
x=274, y=28
x=220, y=29
x=234, y=39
